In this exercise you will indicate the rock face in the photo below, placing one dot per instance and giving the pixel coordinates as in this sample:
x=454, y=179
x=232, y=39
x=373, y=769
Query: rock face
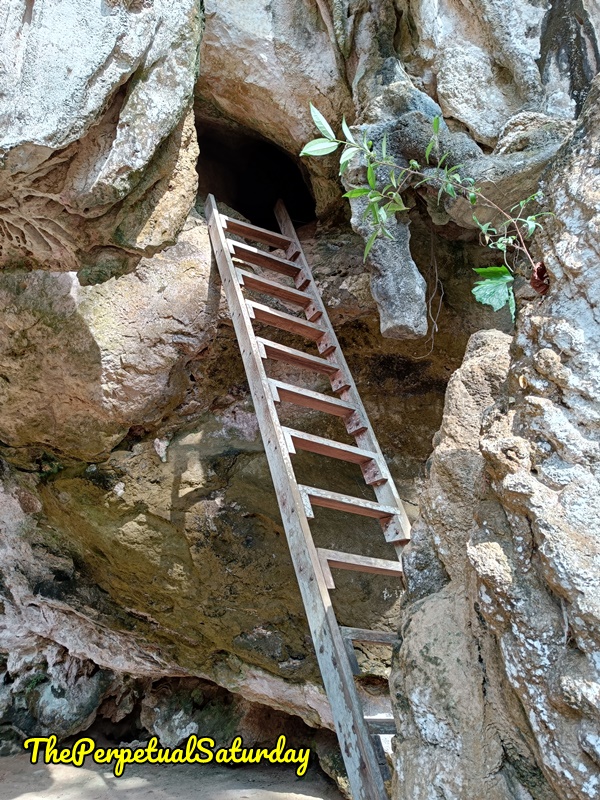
x=81, y=365
x=543, y=459
x=507, y=551
x=97, y=149
x=144, y=575
x=535, y=55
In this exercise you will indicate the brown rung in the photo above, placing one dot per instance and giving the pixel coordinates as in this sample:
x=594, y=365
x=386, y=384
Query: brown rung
x=255, y=233
x=252, y=255
x=355, y=563
x=298, y=358
x=306, y=398
x=326, y=447
x=275, y=289
x=346, y=502
x=368, y=636
x=381, y=725
x=283, y=321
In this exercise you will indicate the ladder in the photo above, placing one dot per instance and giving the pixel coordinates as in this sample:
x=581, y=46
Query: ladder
x=237, y=262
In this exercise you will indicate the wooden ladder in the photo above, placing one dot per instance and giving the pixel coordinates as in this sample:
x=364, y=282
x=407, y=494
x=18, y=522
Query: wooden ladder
x=357, y=733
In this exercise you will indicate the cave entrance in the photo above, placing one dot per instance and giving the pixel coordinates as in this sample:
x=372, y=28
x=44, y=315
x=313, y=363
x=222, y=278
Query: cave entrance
x=250, y=174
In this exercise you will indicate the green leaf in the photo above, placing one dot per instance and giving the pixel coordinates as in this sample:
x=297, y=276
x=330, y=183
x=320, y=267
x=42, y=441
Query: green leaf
x=442, y=159
x=349, y=152
x=496, y=289
x=319, y=147
x=473, y=198
x=449, y=189
x=371, y=176
x=321, y=123
x=435, y=125
x=494, y=292
x=531, y=225
x=369, y=244
x=396, y=207
x=493, y=272
x=414, y=164
x=346, y=157
x=347, y=131
x=357, y=192
x=428, y=150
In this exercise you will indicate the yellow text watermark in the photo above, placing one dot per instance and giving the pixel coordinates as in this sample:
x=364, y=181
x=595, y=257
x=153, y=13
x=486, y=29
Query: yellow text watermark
x=194, y=751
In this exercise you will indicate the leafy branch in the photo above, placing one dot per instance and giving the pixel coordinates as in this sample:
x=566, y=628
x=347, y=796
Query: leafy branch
x=509, y=235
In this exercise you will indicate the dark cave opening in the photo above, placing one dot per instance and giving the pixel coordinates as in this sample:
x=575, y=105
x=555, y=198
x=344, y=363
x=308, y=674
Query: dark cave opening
x=250, y=174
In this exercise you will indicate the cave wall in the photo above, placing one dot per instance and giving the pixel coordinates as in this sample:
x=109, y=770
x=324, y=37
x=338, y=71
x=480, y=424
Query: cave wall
x=137, y=512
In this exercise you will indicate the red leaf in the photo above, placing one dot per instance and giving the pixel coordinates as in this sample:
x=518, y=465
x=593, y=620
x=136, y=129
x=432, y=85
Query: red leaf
x=540, y=280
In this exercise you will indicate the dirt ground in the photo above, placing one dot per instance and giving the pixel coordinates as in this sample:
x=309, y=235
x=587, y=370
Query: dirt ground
x=20, y=780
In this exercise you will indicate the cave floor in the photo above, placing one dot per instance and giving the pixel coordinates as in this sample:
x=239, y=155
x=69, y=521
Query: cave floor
x=20, y=780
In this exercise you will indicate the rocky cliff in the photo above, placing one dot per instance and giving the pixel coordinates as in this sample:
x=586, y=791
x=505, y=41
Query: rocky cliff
x=144, y=576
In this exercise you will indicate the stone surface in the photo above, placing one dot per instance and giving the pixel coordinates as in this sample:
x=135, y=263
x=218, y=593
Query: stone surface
x=81, y=365
x=539, y=579
x=97, y=146
x=461, y=731
x=262, y=64
x=496, y=679
x=184, y=781
x=487, y=61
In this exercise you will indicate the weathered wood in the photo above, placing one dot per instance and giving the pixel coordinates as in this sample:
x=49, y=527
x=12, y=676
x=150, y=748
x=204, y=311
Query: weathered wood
x=349, y=503
x=299, y=440
x=297, y=358
x=343, y=383
x=254, y=233
x=359, y=755
x=383, y=726
x=259, y=258
x=368, y=636
x=358, y=563
x=275, y=289
x=306, y=398
x=283, y=321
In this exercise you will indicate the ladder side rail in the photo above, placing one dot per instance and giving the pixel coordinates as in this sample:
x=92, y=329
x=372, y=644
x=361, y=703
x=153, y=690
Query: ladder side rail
x=359, y=755
x=386, y=493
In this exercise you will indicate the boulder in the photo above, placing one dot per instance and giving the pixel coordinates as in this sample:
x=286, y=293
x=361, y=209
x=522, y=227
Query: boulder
x=97, y=145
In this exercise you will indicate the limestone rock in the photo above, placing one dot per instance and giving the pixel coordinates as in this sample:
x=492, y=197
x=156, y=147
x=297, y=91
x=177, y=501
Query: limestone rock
x=460, y=728
x=81, y=365
x=262, y=65
x=539, y=583
x=97, y=145
x=504, y=567
x=487, y=61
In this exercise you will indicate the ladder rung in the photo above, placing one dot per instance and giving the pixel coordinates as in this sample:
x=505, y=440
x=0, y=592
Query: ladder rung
x=298, y=358
x=366, y=635
x=249, y=231
x=274, y=289
x=306, y=398
x=346, y=502
x=327, y=447
x=355, y=563
x=285, y=322
x=252, y=255
x=382, y=726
